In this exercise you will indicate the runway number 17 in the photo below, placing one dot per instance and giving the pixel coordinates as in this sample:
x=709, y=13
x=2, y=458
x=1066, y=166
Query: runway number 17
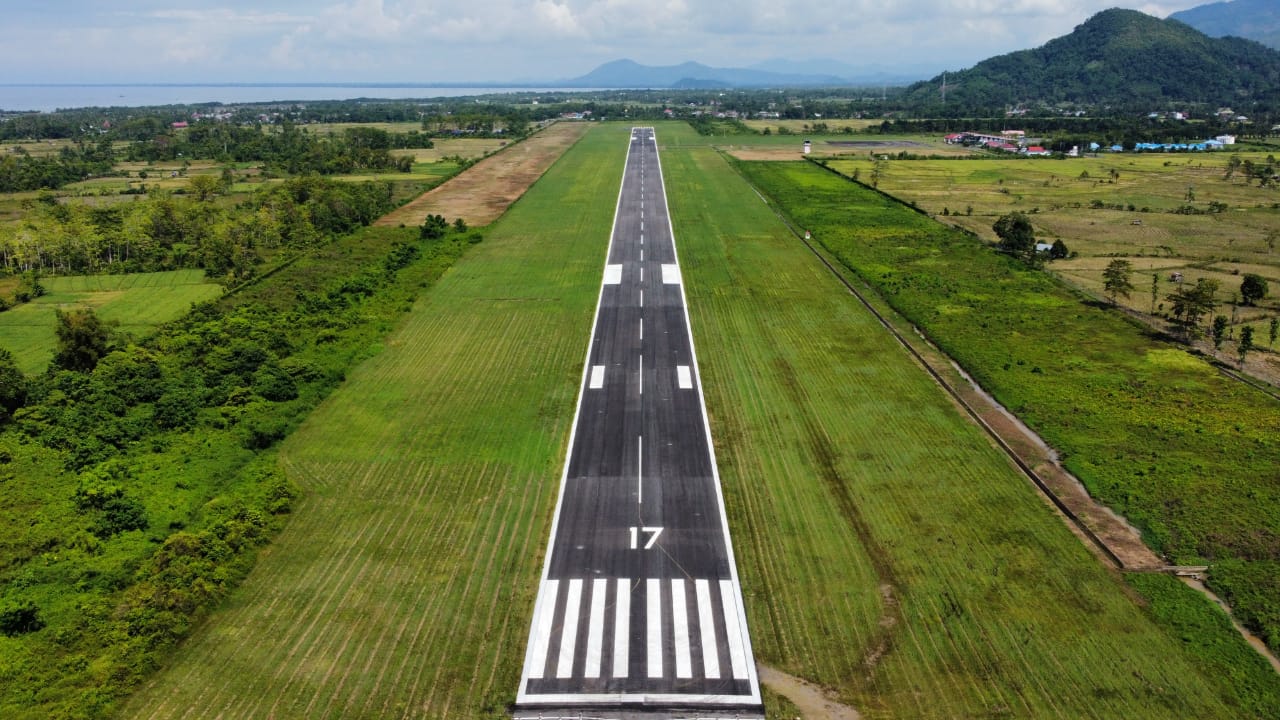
x=653, y=533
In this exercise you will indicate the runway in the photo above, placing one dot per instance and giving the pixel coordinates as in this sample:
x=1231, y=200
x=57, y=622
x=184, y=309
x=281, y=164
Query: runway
x=639, y=604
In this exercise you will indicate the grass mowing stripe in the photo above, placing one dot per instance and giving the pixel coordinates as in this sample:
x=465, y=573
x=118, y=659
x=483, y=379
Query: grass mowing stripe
x=907, y=564
x=404, y=583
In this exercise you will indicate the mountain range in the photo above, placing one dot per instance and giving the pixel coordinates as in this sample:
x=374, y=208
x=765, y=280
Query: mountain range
x=770, y=73
x=1117, y=58
x=1251, y=19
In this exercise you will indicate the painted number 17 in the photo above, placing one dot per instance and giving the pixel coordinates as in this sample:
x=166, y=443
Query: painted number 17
x=652, y=532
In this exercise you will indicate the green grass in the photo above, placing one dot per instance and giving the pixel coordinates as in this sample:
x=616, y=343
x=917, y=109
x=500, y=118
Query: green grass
x=135, y=304
x=1185, y=453
x=887, y=550
x=1060, y=201
x=404, y=585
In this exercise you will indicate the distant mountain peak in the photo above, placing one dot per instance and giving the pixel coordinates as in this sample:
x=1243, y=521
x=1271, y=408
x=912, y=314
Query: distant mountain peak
x=1251, y=19
x=629, y=73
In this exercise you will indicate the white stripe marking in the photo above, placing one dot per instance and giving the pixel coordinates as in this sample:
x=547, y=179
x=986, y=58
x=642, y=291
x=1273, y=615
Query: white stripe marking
x=680, y=624
x=671, y=274
x=542, y=628
x=595, y=630
x=641, y=298
x=737, y=652
x=569, y=630
x=641, y=254
x=642, y=274
x=612, y=274
x=683, y=377
x=640, y=469
x=597, y=377
x=653, y=592
x=706, y=624
x=622, y=629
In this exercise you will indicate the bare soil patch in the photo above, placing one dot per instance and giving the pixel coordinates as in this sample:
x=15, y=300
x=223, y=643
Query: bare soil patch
x=483, y=192
x=813, y=702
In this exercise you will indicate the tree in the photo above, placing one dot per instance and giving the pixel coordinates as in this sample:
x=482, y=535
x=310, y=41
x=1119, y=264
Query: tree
x=1273, y=331
x=1219, y=332
x=1059, y=250
x=434, y=227
x=1191, y=303
x=204, y=187
x=1155, y=290
x=82, y=340
x=1017, y=237
x=1116, y=279
x=1246, y=342
x=1253, y=288
x=13, y=385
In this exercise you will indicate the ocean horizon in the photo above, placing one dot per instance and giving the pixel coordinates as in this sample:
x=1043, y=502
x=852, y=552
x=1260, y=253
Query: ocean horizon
x=47, y=97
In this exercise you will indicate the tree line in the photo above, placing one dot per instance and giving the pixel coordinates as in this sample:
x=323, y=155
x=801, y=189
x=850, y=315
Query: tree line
x=168, y=232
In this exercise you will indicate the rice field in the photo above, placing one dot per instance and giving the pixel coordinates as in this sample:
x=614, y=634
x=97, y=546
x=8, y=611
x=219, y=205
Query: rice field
x=134, y=304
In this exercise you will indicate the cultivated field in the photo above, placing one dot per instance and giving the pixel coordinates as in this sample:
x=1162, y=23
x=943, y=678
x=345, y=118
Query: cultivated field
x=135, y=304
x=404, y=584
x=1115, y=206
x=482, y=194
x=887, y=551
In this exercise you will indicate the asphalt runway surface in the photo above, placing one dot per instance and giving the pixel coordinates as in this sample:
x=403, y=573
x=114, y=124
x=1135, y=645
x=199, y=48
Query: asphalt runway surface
x=639, y=603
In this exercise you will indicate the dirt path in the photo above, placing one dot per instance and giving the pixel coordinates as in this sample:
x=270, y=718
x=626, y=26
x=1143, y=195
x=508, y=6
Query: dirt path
x=809, y=698
x=484, y=191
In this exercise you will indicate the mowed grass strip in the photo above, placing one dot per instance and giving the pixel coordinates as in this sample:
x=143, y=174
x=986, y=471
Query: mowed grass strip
x=135, y=304
x=404, y=585
x=887, y=550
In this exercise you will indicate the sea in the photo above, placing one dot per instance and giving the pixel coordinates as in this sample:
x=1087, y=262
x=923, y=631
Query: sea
x=46, y=98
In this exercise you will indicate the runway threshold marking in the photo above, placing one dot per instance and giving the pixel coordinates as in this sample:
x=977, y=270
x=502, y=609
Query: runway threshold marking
x=683, y=377
x=670, y=274
x=597, y=377
x=613, y=274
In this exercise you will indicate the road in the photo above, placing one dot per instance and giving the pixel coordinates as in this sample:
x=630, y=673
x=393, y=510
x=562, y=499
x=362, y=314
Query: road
x=639, y=603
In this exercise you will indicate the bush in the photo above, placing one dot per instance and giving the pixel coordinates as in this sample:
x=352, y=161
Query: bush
x=20, y=619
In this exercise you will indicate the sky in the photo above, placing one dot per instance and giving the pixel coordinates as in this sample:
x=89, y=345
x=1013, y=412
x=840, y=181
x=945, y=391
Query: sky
x=424, y=41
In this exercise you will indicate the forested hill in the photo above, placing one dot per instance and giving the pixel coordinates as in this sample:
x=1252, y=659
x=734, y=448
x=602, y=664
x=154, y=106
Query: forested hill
x=1121, y=59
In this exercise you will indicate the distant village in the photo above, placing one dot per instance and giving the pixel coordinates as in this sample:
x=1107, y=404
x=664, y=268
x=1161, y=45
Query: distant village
x=1015, y=141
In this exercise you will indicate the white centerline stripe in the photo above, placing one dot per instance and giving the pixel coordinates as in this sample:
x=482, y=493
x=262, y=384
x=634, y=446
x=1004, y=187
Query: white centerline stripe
x=641, y=274
x=683, y=377
x=622, y=629
x=595, y=631
x=737, y=652
x=542, y=629
x=569, y=630
x=640, y=469
x=597, y=377
x=653, y=591
x=680, y=624
x=706, y=624
x=641, y=298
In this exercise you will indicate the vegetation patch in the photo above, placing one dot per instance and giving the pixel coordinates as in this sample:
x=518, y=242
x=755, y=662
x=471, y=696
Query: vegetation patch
x=1185, y=454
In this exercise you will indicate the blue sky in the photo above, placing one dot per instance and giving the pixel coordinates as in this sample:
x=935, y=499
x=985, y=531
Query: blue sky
x=62, y=41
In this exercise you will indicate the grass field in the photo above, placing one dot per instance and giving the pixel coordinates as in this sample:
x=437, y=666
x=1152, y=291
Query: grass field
x=404, y=584
x=1182, y=451
x=887, y=550
x=135, y=304
x=1060, y=196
